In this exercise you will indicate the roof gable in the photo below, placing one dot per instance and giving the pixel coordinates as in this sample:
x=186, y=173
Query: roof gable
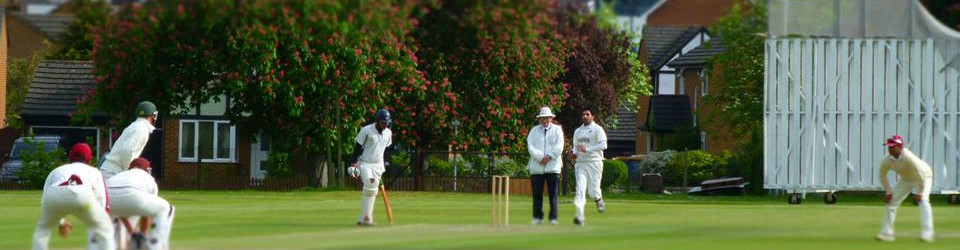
x=55, y=89
x=663, y=42
x=697, y=57
x=52, y=27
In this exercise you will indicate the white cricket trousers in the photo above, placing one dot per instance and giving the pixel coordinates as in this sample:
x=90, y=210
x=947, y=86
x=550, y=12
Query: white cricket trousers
x=130, y=202
x=588, y=176
x=900, y=192
x=370, y=189
x=79, y=201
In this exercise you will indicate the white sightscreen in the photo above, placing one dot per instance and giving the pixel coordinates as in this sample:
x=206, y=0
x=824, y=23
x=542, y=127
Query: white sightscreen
x=830, y=103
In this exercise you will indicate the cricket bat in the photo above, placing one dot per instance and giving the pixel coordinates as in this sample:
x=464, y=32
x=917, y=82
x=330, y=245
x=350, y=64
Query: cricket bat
x=386, y=202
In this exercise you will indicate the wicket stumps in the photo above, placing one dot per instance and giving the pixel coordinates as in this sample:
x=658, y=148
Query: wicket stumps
x=500, y=190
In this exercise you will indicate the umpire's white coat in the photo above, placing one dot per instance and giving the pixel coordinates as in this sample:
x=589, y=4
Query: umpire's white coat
x=545, y=141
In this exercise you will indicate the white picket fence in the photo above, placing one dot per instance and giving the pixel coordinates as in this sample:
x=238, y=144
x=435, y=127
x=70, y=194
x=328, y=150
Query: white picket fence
x=830, y=103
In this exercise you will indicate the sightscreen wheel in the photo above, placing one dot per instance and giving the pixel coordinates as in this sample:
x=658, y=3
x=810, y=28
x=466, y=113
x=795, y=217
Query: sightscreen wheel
x=830, y=198
x=795, y=199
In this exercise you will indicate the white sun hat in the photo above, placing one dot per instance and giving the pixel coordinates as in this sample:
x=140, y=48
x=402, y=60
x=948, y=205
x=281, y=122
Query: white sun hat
x=545, y=112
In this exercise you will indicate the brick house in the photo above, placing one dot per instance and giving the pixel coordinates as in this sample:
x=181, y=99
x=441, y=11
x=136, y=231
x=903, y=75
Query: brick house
x=204, y=146
x=692, y=74
x=29, y=33
x=3, y=66
x=676, y=28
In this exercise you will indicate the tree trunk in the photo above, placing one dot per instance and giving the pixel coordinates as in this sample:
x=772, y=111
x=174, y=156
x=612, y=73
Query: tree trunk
x=313, y=168
x=417, y=166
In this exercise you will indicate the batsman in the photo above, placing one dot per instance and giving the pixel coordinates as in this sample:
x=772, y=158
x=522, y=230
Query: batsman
x=372, y=141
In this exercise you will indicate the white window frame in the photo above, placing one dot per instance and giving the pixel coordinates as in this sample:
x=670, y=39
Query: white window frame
x=705, y=82
x=703, y=140
x=196, y=142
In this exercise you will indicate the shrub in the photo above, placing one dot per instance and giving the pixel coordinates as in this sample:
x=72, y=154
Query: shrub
x=700, y=166
x=512, y=168
x=399, y=163
x=443, y=167
x=656, y=162
x=38, y=163
x=278, y=165
x=614, y=174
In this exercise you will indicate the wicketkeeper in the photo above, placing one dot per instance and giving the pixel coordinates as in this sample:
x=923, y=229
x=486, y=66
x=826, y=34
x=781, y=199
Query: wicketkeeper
x=135, y=194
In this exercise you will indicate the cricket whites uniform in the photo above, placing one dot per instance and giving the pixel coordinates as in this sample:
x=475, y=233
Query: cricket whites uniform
x=129, y=146
x=589, y=164
x=542, y=142
x=915, y=174
x=75, y=189
x=134, y=193
x=371, y=166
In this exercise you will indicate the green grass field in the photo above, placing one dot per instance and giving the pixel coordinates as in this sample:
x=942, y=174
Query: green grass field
x=324, y=220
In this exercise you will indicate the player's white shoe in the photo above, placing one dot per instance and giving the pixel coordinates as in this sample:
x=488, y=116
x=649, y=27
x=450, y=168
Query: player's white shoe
x=601, y=206
x=884, y=237
x=927, y=238
x=536, y=222
x=554, y=222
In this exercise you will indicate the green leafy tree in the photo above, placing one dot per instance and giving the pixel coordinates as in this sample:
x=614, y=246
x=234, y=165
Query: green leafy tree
x=77, y=42
x=502, y=59
x=603, y=72
x=19, y=75
x=314, y=72
x=168, y=52
x=737, y=75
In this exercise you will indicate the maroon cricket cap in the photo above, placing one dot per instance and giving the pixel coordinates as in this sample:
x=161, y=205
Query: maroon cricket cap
x=895, y=140
x=140, y=163
x=81, y=152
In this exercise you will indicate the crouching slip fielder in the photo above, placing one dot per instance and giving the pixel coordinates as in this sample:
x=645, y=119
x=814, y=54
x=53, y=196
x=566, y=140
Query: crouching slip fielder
x=135, y=194
x=589, y=141
x=75, y=189
x=915, y=174
x=372, y=141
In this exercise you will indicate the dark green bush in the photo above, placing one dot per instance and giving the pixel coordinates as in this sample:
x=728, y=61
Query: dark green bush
x=700, y=166
x=278, y=165
x=614, y=174
x=38, y=163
